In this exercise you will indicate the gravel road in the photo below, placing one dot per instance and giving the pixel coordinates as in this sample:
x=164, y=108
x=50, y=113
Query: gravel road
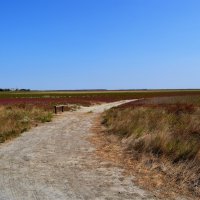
x=56, y=161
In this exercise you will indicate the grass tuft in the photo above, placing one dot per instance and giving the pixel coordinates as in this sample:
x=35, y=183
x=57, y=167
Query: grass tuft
x=16, y=119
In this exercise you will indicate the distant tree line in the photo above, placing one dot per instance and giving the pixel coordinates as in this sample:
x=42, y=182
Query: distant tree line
x=8, y=90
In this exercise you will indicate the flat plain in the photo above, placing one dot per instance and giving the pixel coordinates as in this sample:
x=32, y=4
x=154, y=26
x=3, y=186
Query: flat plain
x=156, y=130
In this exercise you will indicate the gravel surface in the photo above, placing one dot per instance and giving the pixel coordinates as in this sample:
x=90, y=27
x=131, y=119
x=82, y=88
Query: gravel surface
x=56, y=161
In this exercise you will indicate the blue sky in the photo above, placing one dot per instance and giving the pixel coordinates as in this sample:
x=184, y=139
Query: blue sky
x=88, y=44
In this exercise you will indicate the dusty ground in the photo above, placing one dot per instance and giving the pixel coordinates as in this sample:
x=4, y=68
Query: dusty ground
x=56, y=161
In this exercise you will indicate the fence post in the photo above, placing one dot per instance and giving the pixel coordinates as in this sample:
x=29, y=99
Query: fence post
x=55, y=109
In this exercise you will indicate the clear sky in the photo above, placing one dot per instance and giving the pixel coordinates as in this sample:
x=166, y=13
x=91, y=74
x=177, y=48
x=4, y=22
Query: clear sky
x=88, y=44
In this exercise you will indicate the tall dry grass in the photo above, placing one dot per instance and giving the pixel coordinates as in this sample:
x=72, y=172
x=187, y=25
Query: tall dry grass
x=16, y=119
x=167, y=132
x=157, y=131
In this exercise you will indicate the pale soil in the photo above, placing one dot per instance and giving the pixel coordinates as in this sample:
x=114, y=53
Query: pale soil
x=56, y=161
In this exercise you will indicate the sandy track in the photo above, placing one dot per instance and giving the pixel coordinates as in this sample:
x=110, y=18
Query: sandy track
x=56, y=161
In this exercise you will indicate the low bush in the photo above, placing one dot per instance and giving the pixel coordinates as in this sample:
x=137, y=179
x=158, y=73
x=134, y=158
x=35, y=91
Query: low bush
x=16, y=119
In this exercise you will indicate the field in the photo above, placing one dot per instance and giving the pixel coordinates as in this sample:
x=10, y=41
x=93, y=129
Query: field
x=162, y=132
x=28, y=102
x=161, y=129
x=43, y=101
x=85, y=97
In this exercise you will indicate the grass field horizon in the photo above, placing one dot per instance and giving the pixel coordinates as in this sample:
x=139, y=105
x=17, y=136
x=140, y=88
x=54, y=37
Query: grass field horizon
x=167, y=115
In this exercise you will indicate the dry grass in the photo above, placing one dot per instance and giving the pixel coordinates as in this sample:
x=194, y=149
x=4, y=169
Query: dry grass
x=16, y=119
x=167, y=133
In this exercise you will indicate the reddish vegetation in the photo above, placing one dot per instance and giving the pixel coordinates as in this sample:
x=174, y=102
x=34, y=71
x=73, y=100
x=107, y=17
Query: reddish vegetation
x=41, y=101
x=86, y=101
x=175, y=107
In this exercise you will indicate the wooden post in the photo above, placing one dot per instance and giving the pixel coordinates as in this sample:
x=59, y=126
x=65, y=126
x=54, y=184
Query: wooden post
x=58, y=108
x=55, y=109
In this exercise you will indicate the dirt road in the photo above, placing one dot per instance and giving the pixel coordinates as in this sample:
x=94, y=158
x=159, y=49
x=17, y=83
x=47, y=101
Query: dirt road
x=56, y=161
